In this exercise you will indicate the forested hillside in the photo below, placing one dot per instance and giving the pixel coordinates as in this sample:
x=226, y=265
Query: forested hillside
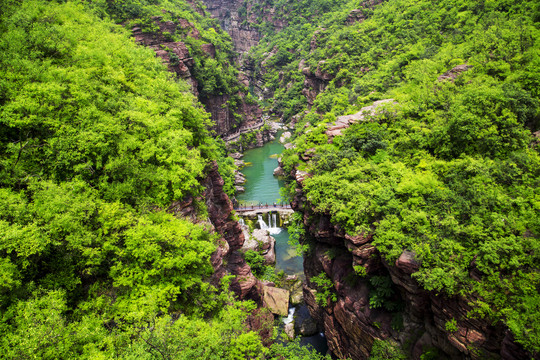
x=97, y=141
x=419, y=216
x=448, y=170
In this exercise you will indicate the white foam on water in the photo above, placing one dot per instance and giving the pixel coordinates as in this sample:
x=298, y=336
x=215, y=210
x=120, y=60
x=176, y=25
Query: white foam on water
x=289, y=317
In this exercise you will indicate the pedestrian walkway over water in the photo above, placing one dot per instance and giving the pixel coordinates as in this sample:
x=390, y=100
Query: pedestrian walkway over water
x=262, y=207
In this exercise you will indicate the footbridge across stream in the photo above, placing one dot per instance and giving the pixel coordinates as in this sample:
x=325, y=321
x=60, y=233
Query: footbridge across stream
x=262, y=208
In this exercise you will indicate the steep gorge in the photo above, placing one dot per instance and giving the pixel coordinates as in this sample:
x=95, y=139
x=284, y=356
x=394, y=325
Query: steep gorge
x=352, y=323
x=229, y=108
x=375, y=300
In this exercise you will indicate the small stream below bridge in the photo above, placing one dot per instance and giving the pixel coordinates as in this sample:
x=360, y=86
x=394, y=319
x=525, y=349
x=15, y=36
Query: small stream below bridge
x=262, y=187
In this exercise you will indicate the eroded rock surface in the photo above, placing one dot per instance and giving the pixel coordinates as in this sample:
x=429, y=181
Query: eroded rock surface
x=453, y=73
x=351, y=323
x=261, y=241
x=345, y=121
x=277, y=300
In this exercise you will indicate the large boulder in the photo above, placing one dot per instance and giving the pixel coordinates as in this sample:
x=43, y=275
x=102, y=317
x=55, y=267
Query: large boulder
x=276, y=300
x=304, y=324
x=279, y=171
x=261, y=241
x=284, y=137
x=289, y=330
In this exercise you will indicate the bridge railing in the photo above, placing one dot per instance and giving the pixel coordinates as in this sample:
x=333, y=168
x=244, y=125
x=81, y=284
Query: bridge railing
x=261, y=206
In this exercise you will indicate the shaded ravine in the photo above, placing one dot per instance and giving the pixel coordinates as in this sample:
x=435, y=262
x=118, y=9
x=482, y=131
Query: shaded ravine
x=262, y=187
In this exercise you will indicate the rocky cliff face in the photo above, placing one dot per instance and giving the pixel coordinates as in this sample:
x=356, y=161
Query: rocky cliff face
x=238, y=18
x=315, y=80
x=174, y=54
x=227, y=258
x=419, y=318
x=244, y=36
x=223, y=115
x=178, y=59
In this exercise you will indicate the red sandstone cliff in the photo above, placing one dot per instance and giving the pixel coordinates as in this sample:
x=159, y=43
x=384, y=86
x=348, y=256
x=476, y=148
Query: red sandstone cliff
x=351, y=324
x=177, y=57
x=226, y=259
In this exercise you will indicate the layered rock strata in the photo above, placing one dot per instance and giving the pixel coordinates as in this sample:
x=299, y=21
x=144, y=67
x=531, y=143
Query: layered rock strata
x=239, y=18
x=352, y=323
x=176, y=55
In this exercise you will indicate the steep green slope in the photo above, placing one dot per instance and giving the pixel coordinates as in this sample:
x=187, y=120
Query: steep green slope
x=96, y=139
x=216, y=75
x=451, y=170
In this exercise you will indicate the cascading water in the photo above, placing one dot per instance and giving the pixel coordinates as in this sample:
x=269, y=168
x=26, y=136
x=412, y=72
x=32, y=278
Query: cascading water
x=289, y=317
x=241, y=222
x=262, y=187
x=273, y=228
x=261, y=222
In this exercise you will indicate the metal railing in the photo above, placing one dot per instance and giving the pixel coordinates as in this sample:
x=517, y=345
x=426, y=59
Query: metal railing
x=261, y=206
x=244, y=130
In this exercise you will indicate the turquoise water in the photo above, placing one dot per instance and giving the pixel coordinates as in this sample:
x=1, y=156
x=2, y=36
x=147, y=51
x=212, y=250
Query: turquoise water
x=261, y=186
x=286, y=257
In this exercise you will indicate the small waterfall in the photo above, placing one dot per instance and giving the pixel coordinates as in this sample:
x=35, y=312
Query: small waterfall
x=261, y=222
x=241, y=222
x=272, y=224
x=290, y=317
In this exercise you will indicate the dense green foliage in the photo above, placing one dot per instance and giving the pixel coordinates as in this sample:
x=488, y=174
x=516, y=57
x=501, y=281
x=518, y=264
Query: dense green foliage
x=386, y=350
x=97, y=140
x=451, y=170
x=215, y=76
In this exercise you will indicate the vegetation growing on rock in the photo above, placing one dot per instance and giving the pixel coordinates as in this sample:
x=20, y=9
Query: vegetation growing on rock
x=450, y=171
x=97, y=141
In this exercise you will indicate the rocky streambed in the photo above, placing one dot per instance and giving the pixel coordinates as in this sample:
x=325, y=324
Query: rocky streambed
x=265, y=231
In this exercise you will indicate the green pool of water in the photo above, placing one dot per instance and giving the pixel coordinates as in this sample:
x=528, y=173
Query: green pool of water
x=261, y=186
x=286, y=256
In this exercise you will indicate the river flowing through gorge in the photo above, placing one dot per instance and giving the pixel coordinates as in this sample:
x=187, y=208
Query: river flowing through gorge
x=262, y=187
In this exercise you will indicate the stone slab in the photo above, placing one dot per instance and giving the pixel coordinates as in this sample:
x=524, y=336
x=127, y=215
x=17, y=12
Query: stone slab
x=277, y=300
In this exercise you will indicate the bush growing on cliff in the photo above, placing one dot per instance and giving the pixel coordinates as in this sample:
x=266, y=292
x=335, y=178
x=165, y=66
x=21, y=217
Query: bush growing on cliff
x=325, y=289
x=386, y=349
x=96, y=141
x=453, y=174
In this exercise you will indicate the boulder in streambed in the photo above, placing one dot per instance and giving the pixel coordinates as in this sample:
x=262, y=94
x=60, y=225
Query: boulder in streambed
x=304, y=324
x=261, y=241
x=294, y=285
x=306, y=327
x=279, y=171
x=276, y=300
x=297, y=295
x=289, y=330
x=236, y=156
x=239, y=178
x=284, y=137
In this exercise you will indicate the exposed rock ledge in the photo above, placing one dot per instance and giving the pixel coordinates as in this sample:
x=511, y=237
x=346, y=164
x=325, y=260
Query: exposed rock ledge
x=343, y=122
x=352, y=325
x=261, y=241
